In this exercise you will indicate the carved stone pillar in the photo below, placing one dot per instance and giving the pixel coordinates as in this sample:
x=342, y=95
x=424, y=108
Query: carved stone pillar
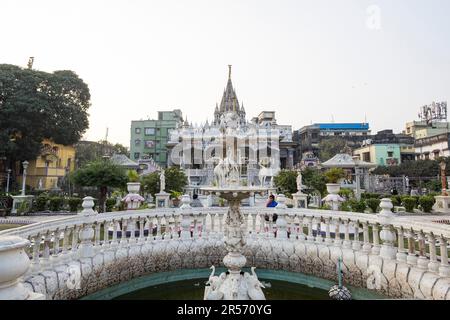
x=387, y=235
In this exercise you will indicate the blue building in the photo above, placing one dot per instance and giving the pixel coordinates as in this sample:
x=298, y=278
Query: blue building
x=309, y=137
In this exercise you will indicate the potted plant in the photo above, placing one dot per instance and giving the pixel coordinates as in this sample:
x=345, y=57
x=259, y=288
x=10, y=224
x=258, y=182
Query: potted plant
x=133, y=185
x=333, y=176
x=175, y=196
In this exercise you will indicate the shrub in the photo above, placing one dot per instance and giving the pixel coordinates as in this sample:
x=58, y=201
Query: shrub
x=74, y=203
x=395, y=201
x=346, y=193
x=409, y=203
x=110, y=203
x=345, y=206
x=368, y=195
x=41, y=203
x=133, y=176
x=426, y=202
x=357, y=206
x=56, y=203
x=333, y=175
x=373, y=204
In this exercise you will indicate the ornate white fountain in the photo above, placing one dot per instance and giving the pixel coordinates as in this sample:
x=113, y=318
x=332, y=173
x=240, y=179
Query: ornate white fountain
x=233, y=284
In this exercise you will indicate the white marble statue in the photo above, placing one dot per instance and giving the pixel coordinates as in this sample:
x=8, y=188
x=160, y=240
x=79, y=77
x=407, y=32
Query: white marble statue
x=299, y=181
x=162, y=180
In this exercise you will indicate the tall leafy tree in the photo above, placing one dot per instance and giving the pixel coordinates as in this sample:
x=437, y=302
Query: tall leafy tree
x=88, y=151
x=35, y=105
x=286, y=181
x=176, y=180
x=101, y=174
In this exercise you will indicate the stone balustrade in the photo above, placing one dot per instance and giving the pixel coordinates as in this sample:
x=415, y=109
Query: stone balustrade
x=398, y=256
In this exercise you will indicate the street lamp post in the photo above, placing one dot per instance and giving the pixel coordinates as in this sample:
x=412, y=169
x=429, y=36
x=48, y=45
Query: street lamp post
x=7, y=181
x=25, y=166
x=442, y=165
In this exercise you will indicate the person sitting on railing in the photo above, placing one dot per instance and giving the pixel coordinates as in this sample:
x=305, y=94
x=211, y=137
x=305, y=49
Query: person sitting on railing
x=271, y=203
x=196, y=201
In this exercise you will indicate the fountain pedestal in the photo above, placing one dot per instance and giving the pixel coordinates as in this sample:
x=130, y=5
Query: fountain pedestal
x=234, y=284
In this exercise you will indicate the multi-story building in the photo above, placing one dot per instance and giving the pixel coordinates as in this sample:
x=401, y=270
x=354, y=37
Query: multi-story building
x=386, y=148
x=422, y=129
x=433, y=147
x=47, y=171
x=309, y=137
x=149, y=137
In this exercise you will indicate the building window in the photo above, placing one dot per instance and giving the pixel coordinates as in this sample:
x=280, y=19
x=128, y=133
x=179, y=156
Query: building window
x=149, y=131
x=137, y=130
x=136, y=155
x=390, y=154
x=149, y=143
x=137, y=142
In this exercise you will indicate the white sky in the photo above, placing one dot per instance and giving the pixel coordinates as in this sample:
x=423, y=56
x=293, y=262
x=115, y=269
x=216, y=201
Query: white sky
x=307, y=60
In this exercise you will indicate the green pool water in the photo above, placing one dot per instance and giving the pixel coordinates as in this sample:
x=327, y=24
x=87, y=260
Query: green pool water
x=189, y=284
x=194, y=289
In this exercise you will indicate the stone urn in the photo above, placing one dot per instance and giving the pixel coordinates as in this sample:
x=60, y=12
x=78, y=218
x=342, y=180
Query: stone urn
x=14, y=263
x=333, y=188
x=133, y=187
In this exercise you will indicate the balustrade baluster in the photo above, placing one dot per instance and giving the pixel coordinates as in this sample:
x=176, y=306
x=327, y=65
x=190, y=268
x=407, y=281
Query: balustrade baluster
x=433, y=265
x=422, y=262
x=401, y=252
x=301, y=234
x=356, y=245
x=347, y=243
x=367, y=246
x=203, y=229
x=115, y=230
x=124, y=225
x=220, y=224
x=328, y=238
x=158, y=227
x=337, y=232
x=56, y=244
x=411, y=259
x=141, y=229
x=294, y=230
x=318, y=237
x=444, y=269
x=376, y=239
x=66, y=233
x=98, y=226
x=132, y=229
x=46, y=250
x=35, y=263
x=261, y=224
x=74, y=241
x=106, y=225
x=310, y=237
x=253, y=231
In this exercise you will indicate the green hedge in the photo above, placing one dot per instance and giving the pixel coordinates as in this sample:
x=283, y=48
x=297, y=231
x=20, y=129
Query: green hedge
x=56, y=203
x=373, y=204
x=409, y=203
x=426, y=202
x=110, y=203
x=41, y=203
x=74, y=204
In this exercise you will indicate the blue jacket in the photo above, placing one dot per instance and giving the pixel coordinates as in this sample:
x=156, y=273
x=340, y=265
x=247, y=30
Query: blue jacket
x=272, y=204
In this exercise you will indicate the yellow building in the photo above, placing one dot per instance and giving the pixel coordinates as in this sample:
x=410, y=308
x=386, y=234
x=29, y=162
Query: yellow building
x=50, y=167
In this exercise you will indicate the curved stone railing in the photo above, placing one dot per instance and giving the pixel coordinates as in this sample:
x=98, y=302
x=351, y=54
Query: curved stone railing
x=399, y=256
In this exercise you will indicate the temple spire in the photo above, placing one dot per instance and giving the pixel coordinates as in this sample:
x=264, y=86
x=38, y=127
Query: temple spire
x=229, y=71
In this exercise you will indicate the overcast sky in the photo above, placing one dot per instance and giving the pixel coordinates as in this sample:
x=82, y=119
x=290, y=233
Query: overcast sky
x=310, y=61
